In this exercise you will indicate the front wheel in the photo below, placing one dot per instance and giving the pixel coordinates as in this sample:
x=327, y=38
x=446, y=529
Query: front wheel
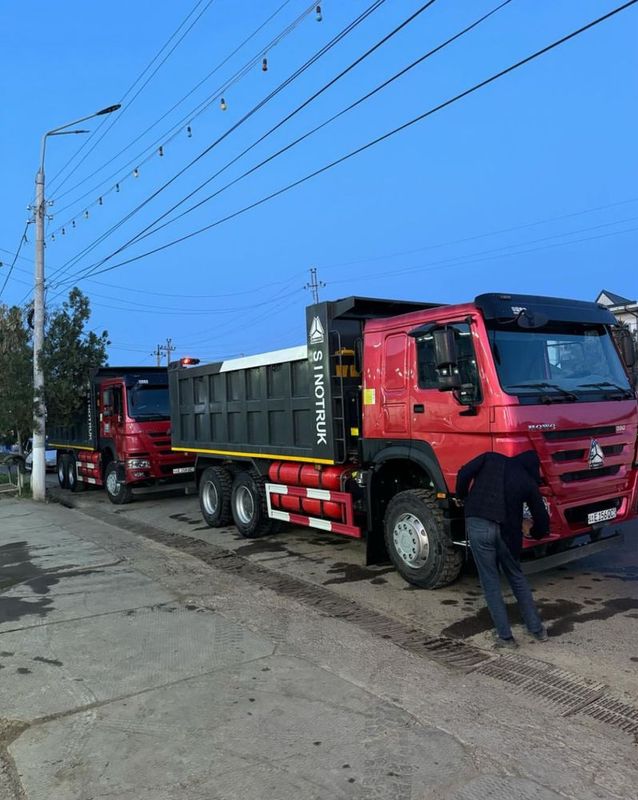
x=248, y=505
x=417, y=542
x=214, y=496
x=118, y=492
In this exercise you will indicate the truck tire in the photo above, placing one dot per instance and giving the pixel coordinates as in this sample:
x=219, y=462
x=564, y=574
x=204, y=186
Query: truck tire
x=248, y=505
x=417, y=542
x=63, y=471
x=215, y=487
x=72, y=482
x=117, y=491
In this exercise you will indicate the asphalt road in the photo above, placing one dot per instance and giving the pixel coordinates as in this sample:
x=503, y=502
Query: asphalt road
x=590, y=606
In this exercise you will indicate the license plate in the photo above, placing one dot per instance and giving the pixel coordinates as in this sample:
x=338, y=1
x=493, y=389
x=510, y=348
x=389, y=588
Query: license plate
x=601, y=516
x=182, y=470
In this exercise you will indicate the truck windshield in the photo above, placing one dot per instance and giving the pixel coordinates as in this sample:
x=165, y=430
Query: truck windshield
x=559, y=362
x=148, y=402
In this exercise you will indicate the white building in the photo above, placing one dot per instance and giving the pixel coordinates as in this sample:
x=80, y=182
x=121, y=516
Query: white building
x=623, y=309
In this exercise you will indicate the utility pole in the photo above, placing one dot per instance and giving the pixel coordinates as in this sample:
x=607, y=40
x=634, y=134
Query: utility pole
x=158, y=354
x=167, y=348
x=314, y=285
x=38, y=462
x=38, y=467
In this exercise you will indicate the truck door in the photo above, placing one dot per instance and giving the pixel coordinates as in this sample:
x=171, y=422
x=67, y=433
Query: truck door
x=112, y=414
x=455, y=424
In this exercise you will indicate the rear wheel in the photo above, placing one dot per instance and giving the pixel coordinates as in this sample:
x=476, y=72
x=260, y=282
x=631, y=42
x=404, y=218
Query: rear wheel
x=118, y=492
x=72, y=481
x=215, y=488
x=63, y=471
x=417, y=542
x=248, y=505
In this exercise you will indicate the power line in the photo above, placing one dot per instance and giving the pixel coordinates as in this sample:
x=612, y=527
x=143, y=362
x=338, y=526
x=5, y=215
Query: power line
x=310, y=62
x=167, y=137
x=147, y=230
x=379, y=139
x=125, y=108
x=23, y=239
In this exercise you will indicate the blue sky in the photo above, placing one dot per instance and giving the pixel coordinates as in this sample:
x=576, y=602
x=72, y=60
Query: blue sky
x=529, y=185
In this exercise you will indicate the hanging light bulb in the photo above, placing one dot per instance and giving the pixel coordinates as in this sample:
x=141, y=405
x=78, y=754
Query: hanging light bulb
x=136, y=172
x=100, y=201
x=318, y=14
x=53, y=237
x=264, y=65
x=222, y=104
x=73, y=223
x=189, y=132
x=86, y=213
x=160, y=151
x=117, y=187
x=63, y=232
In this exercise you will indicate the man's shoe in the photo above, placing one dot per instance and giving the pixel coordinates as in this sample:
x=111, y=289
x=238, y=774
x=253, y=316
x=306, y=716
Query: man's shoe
x=541, y=636
x=505, y=644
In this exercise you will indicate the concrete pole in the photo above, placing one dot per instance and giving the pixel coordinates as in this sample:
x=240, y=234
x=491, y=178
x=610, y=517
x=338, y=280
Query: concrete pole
x=38, y=468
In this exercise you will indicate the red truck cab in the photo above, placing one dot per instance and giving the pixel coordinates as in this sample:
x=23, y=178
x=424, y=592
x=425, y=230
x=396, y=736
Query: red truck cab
x=526, y=373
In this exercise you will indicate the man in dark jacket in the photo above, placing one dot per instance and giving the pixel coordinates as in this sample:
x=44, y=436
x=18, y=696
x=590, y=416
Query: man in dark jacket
x=494, y=489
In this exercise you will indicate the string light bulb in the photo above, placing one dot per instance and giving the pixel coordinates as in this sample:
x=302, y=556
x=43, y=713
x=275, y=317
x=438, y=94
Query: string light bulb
x=222, y=104
x=117, y=187
x=264, y=65
x=160, y=150
x=63, y=232
x=100, y=201
x=53, y=237
x=86, y=213
x=136, y=172
x=189, y=132
x=318, y=14
x=73, y=223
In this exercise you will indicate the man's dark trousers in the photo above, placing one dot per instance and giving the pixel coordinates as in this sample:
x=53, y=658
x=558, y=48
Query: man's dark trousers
x=490, y=551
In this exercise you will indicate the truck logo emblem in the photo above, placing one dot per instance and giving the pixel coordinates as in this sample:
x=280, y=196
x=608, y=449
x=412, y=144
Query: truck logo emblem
x=596, y=455
x=316, y=335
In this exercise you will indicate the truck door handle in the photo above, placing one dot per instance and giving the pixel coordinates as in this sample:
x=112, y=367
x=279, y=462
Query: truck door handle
x=418, y=408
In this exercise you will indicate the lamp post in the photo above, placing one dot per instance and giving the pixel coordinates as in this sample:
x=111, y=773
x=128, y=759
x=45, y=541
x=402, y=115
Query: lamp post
x=38, y=462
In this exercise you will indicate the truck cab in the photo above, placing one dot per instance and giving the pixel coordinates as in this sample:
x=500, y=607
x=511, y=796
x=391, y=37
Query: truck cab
x=507, y=374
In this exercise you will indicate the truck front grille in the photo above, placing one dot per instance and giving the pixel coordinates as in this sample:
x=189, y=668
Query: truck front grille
x=590, y=474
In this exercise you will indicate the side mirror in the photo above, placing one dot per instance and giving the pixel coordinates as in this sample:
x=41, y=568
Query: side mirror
x=627, y=348
x=446, y=359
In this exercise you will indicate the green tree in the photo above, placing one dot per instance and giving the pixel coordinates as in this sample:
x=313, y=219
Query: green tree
x=70, y=352
x=16, y=376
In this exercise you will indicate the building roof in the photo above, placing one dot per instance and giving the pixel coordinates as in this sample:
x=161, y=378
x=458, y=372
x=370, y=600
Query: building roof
x=611, y=299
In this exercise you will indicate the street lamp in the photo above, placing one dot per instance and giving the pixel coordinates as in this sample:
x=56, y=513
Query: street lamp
x=38, y=463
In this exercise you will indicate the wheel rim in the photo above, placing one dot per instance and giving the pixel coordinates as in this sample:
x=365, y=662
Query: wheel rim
x=112, y=483
x=71, y=474
x=60, y=473
x=210, y=498
x=244, y=505
x=411, y=541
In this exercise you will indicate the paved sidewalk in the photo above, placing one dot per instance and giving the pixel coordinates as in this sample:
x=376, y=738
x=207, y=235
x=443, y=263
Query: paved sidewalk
x=128, y=670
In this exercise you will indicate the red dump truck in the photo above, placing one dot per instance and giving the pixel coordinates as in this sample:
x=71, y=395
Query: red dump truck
x=362, y=430
x=120, y=438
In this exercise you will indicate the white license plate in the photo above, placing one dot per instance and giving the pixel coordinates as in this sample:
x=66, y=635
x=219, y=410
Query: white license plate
x=601, y=516
x=182, y=470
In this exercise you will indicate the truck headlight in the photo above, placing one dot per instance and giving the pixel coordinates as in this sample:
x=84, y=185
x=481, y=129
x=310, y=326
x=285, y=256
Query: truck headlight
x=138, y=463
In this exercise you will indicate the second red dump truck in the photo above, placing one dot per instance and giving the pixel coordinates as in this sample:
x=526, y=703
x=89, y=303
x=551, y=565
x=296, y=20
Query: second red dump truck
x=362, y=430
x=120, y=438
